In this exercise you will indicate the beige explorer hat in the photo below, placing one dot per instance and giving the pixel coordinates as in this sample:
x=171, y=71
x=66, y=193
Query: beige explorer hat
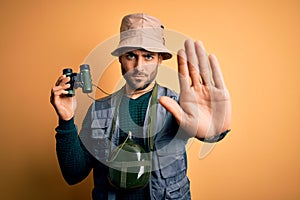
x=142, y=31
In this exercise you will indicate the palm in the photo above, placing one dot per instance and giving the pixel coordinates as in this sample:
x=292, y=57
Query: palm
x=204, y=108
x=68, y=106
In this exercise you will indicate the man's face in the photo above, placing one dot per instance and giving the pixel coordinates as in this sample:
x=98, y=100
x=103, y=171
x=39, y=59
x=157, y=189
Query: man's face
x=139, y=68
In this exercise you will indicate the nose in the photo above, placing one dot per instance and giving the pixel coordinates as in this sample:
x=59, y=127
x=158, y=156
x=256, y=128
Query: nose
x=139, y=63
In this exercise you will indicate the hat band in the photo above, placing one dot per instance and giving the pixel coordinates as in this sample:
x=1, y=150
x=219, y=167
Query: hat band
x=150, y=33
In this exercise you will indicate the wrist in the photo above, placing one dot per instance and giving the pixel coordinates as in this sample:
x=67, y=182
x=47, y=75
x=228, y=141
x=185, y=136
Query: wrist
x=66, y=124
x=215, y=138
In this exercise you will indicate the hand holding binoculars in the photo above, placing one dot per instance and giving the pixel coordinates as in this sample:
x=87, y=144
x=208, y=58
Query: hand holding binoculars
x=82, y=79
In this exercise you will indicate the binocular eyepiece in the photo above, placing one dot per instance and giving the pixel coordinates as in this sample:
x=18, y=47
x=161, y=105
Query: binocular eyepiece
x=82, y=79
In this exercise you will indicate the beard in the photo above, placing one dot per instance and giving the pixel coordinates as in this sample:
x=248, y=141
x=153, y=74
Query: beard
x=138, y=80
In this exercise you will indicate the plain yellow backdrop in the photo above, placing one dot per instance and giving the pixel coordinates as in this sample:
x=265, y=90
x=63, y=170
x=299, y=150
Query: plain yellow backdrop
x=257, y=43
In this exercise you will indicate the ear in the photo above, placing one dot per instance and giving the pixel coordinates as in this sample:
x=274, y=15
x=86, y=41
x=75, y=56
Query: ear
x=160, y=58
x=120, y=59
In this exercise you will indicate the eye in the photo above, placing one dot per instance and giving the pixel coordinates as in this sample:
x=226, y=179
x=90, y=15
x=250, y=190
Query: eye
x=130, y=56
x=149, y=57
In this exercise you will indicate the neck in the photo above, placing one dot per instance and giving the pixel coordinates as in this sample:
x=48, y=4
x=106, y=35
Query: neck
x=133, y=93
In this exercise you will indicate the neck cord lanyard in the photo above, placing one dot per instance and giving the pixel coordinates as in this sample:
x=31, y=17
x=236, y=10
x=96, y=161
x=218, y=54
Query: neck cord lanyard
x=151, y=118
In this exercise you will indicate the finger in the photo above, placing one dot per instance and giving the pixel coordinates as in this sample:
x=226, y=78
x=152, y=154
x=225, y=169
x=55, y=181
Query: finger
x=59, y=93
x=61, y=87
x=173, y=107
x=62, y=80
x=183, y=73
x=216, y=72
x=59, y=90
x=192, y=62
x=205, y=71
x=56, y=95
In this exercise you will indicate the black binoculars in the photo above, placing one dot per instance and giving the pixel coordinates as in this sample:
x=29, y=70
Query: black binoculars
x=82, y=79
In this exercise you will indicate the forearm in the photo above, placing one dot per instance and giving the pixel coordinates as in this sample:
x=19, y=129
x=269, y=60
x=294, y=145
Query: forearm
x=74, y=160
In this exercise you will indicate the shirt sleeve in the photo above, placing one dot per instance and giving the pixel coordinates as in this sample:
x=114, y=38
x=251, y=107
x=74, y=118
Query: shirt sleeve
x=74, y=160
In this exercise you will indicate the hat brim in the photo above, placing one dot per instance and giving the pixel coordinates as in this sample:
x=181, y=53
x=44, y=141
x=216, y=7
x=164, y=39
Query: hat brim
x=166, y=54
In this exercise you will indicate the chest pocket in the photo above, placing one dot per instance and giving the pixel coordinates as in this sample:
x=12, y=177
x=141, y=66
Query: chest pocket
x=100, y=127
x=99, y=138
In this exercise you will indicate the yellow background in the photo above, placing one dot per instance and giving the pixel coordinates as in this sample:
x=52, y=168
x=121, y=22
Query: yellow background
x=257, y=43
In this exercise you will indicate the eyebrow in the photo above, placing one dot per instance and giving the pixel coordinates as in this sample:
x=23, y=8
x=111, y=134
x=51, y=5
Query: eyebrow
x=148, y=53
x=144, y=53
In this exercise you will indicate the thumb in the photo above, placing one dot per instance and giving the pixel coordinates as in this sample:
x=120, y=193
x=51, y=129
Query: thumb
x=173, y=107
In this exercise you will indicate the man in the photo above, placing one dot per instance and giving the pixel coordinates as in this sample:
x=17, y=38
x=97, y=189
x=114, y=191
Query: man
x=152, y=116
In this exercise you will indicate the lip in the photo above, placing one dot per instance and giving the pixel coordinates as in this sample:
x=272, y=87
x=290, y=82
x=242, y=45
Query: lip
x=139, y=76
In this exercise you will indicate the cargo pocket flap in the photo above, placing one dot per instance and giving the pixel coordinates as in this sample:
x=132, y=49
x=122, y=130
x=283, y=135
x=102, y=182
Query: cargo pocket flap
x=171, y=165
x=99, y=128
x=99, y=123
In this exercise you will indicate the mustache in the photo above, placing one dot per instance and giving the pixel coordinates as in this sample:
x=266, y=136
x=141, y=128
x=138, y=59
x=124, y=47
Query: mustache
x=139, y=73
x=133, y=72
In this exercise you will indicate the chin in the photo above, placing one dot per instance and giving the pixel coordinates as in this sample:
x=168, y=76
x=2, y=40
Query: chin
x=139, y=86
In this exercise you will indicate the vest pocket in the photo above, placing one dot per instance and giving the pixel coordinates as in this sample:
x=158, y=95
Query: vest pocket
x=172, y=165
x=171, y=159
x=97, y=142
x=180, y=190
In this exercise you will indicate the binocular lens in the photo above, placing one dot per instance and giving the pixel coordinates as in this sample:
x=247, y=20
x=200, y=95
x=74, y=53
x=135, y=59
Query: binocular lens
x=86, y=78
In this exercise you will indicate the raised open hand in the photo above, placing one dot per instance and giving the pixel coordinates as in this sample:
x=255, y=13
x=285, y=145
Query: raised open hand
x=204, y=109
